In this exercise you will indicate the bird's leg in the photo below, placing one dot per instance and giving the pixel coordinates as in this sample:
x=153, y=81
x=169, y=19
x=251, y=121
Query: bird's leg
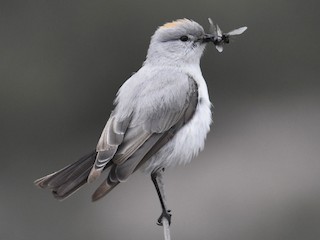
x=157, y=179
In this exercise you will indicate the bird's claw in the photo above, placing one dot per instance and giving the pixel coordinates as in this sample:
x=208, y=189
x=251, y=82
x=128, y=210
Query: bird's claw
x=165, y=214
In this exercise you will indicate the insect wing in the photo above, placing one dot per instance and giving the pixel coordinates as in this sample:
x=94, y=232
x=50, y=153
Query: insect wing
x=219, y=48
x=214, y=29
x=219, y=32
x=237, y=31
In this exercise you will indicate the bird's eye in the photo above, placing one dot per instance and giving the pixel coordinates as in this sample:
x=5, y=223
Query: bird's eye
x=184, y=38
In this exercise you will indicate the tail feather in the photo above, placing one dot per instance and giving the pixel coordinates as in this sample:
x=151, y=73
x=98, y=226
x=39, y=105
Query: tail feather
x=69, y=179
x=71, y=186
x=105, y=187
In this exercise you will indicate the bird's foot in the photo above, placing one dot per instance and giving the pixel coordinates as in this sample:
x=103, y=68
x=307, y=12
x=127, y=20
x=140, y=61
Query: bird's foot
x=165, y=214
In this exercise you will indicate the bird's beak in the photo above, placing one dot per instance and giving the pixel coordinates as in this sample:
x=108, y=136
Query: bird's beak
x=210, y=38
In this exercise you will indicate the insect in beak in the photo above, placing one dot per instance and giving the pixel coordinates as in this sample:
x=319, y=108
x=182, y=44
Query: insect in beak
x=220, y=38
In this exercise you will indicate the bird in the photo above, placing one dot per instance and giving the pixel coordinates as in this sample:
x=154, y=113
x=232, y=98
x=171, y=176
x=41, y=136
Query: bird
x=161, y=117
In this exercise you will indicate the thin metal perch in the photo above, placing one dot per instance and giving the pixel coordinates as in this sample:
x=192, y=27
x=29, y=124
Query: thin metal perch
x=166, y=229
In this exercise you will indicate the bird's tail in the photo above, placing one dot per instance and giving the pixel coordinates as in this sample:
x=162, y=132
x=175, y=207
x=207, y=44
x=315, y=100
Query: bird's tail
x=69, y=179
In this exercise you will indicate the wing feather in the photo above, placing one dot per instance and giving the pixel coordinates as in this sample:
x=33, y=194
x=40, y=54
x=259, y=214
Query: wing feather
x=111, y=137
x=124, y=170
x=135, y=137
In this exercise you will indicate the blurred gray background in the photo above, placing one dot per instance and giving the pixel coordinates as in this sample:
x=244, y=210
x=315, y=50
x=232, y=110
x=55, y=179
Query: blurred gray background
x=61, y=63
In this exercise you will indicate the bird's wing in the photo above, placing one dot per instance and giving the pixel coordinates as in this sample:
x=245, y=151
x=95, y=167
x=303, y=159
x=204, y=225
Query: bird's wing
x=112, y=136
x=155, y=124
x=150, y=128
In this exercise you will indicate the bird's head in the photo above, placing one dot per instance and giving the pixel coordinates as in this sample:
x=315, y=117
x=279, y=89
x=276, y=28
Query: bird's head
x=180, y=41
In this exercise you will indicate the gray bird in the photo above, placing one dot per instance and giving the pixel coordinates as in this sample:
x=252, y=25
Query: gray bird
x=161, y=118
